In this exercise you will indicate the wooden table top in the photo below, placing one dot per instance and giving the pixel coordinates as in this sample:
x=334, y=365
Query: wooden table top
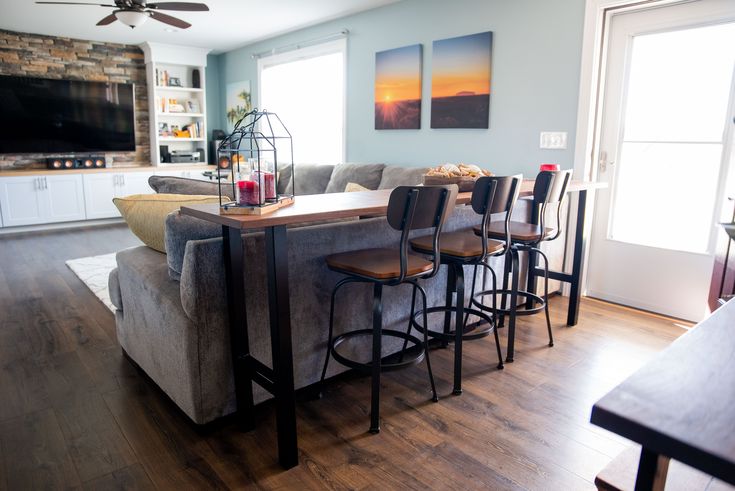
x=682, y=403
x=334, y=206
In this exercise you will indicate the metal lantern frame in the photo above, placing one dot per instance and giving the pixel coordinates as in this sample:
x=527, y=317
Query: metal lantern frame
x=254, y=139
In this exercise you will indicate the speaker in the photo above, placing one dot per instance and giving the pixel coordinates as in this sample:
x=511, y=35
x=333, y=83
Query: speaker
x=65, y=163
x=201, y=154
x=195, y=79
x=165, y=154
x=224, y=162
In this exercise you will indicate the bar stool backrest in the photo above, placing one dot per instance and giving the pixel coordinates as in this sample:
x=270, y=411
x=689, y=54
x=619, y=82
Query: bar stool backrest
x=549, y=189
x=495, y=194
x=420, y=207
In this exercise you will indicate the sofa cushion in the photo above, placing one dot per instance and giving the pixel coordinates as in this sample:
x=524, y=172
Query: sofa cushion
x=310, y=179
x=182, y=185
x=180, y=229
x=367, y=175
x=394, y=176
x=145, y=214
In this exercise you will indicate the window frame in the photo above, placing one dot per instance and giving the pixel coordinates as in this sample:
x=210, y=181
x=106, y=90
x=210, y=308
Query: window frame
x=313, y=51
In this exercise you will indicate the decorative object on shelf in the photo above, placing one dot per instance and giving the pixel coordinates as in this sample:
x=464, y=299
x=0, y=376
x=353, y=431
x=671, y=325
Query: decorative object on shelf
x=174, y=82
x=460, y=82
x=398, y=88
x=248, y=165
x=192, y=106
x=196, y=80
x=238, y=102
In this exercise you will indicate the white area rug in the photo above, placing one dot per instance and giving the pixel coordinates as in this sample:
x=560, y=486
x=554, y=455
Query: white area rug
x=94, y=271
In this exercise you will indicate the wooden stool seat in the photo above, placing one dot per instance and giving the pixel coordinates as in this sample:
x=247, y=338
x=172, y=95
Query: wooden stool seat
x=380, y=264
x=463, y=243
x=519, y=231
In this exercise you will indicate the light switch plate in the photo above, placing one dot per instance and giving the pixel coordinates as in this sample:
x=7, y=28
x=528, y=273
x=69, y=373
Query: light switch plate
x=555, y=140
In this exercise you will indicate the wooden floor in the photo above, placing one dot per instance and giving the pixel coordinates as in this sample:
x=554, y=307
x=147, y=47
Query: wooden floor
x=75, y=414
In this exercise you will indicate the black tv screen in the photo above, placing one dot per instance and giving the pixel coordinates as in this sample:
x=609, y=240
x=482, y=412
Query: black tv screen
x=57, y=116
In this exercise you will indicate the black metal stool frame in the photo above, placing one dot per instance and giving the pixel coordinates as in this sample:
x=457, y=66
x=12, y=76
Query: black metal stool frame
x=405, y=220
x=487, y=199
x=549, y=189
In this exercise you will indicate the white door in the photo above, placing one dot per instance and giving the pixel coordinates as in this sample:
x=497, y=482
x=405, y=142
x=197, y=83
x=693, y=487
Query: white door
x=21, y=200
x=664, y=152
x=64, y=197
x=99, y=189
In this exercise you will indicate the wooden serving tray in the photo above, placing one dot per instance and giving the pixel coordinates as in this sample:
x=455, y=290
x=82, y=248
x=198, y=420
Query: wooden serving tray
x=257, y=210
x=465, y=183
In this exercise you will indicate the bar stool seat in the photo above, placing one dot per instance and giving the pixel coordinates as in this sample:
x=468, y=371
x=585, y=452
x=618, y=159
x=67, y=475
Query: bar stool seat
x=380, y=264
x=519, y=231
x=462, y=244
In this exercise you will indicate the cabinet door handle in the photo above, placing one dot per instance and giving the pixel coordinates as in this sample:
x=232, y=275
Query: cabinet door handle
x=45, y=183
x=123, y=179
x=35, y=184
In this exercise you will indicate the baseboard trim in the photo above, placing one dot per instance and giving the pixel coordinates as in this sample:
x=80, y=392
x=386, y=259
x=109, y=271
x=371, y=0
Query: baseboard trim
x=59, y=226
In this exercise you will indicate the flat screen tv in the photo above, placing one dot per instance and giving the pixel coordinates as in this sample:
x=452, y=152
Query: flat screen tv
x=64, y=116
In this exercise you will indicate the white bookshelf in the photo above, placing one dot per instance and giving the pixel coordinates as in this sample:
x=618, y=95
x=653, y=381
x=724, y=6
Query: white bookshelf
x=164, y=62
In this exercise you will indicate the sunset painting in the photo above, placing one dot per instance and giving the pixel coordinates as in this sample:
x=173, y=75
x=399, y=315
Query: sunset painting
x=398, y=88
x=460, y=84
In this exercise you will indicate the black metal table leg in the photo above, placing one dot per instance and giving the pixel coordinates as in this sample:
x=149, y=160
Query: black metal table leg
x=580, y=246
x=279, y=310
x=239, y=345
x=457, y=272
x=652, y=470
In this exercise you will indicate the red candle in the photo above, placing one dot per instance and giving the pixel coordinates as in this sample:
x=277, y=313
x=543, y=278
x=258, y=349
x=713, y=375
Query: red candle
x=249, y=193
x=267, y=181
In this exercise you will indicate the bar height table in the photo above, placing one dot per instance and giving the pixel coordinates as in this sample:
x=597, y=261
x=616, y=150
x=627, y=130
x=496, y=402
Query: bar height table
x=279, y=379
x=681, y=405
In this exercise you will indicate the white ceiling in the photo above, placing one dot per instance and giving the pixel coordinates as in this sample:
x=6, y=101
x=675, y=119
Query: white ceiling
x=229, y=23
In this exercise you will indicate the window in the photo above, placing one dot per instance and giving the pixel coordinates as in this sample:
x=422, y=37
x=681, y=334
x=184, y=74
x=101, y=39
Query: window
x=306, y=89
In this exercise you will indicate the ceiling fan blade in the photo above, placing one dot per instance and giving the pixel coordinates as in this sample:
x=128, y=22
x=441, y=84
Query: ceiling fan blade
x=107, y=20
x=183, y=6
x=77, y=3
x=167, y=19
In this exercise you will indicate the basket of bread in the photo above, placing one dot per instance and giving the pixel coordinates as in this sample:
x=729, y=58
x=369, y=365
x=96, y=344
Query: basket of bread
x=463, y=175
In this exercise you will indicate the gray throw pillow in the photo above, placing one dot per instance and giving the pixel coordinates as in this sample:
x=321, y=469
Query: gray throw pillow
x=367, y=175
x=310, y=179
x=179, y=230
x=181, y=185
x=394, y=176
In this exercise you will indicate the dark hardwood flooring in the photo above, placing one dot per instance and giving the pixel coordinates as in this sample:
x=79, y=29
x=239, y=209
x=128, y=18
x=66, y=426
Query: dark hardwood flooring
x=74, y=413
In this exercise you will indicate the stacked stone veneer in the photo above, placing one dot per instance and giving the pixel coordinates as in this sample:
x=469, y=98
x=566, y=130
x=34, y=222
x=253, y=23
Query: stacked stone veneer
x=34, y=55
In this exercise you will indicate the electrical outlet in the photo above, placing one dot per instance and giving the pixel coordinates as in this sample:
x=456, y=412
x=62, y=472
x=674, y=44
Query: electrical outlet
x=555, y=140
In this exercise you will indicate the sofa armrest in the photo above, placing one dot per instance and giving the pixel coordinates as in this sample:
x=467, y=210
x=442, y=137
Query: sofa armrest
x=113, y=284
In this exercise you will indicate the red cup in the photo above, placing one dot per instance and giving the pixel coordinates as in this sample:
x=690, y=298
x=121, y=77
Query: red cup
x=549, y=167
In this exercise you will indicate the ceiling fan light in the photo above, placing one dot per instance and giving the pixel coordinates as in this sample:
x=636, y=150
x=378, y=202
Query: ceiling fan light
x=132, y=18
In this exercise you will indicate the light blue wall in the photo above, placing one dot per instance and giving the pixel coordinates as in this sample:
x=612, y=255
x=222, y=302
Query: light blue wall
x=215, y=102
x=537, y=46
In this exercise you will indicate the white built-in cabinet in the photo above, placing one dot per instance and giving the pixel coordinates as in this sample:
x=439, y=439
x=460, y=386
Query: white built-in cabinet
x=100, y=189
x=32, y=200
x=180, y=106
x=61, y=197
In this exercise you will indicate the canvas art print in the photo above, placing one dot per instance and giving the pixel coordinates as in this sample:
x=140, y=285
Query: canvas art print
x=238, y=102
x=460, y=83
x=398, y=88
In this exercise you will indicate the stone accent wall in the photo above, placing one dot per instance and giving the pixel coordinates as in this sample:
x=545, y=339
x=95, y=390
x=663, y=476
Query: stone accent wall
x=39, y=56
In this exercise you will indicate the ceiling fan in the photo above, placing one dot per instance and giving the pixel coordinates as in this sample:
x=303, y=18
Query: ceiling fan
x=135, y=12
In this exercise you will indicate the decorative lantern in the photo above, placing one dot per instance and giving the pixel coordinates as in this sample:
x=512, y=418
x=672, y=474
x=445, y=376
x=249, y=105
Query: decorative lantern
x=258, y=150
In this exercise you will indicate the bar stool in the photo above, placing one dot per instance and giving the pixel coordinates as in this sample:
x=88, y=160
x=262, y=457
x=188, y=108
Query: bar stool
x=491, y=195
x=409, y=208
x=549, y=190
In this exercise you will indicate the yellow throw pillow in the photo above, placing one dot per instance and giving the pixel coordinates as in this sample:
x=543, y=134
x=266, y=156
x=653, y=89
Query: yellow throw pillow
x=353, y=186
x=145, y=214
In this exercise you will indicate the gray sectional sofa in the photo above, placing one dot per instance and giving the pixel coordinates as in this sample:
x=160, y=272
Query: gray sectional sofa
x=171, y=308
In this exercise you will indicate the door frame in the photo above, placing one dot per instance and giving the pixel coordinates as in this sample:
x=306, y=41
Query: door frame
x=597, y=16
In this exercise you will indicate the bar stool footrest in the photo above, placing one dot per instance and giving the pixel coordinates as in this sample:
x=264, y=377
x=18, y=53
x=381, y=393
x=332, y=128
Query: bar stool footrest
x=521, y=309
x=411, y=356
x=468, y=334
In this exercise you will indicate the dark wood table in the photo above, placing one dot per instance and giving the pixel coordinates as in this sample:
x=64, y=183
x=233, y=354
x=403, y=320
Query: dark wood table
x=278, y=380
x=681, y=405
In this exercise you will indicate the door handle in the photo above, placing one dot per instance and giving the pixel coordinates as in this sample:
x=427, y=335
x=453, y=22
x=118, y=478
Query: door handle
x=603, y=162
